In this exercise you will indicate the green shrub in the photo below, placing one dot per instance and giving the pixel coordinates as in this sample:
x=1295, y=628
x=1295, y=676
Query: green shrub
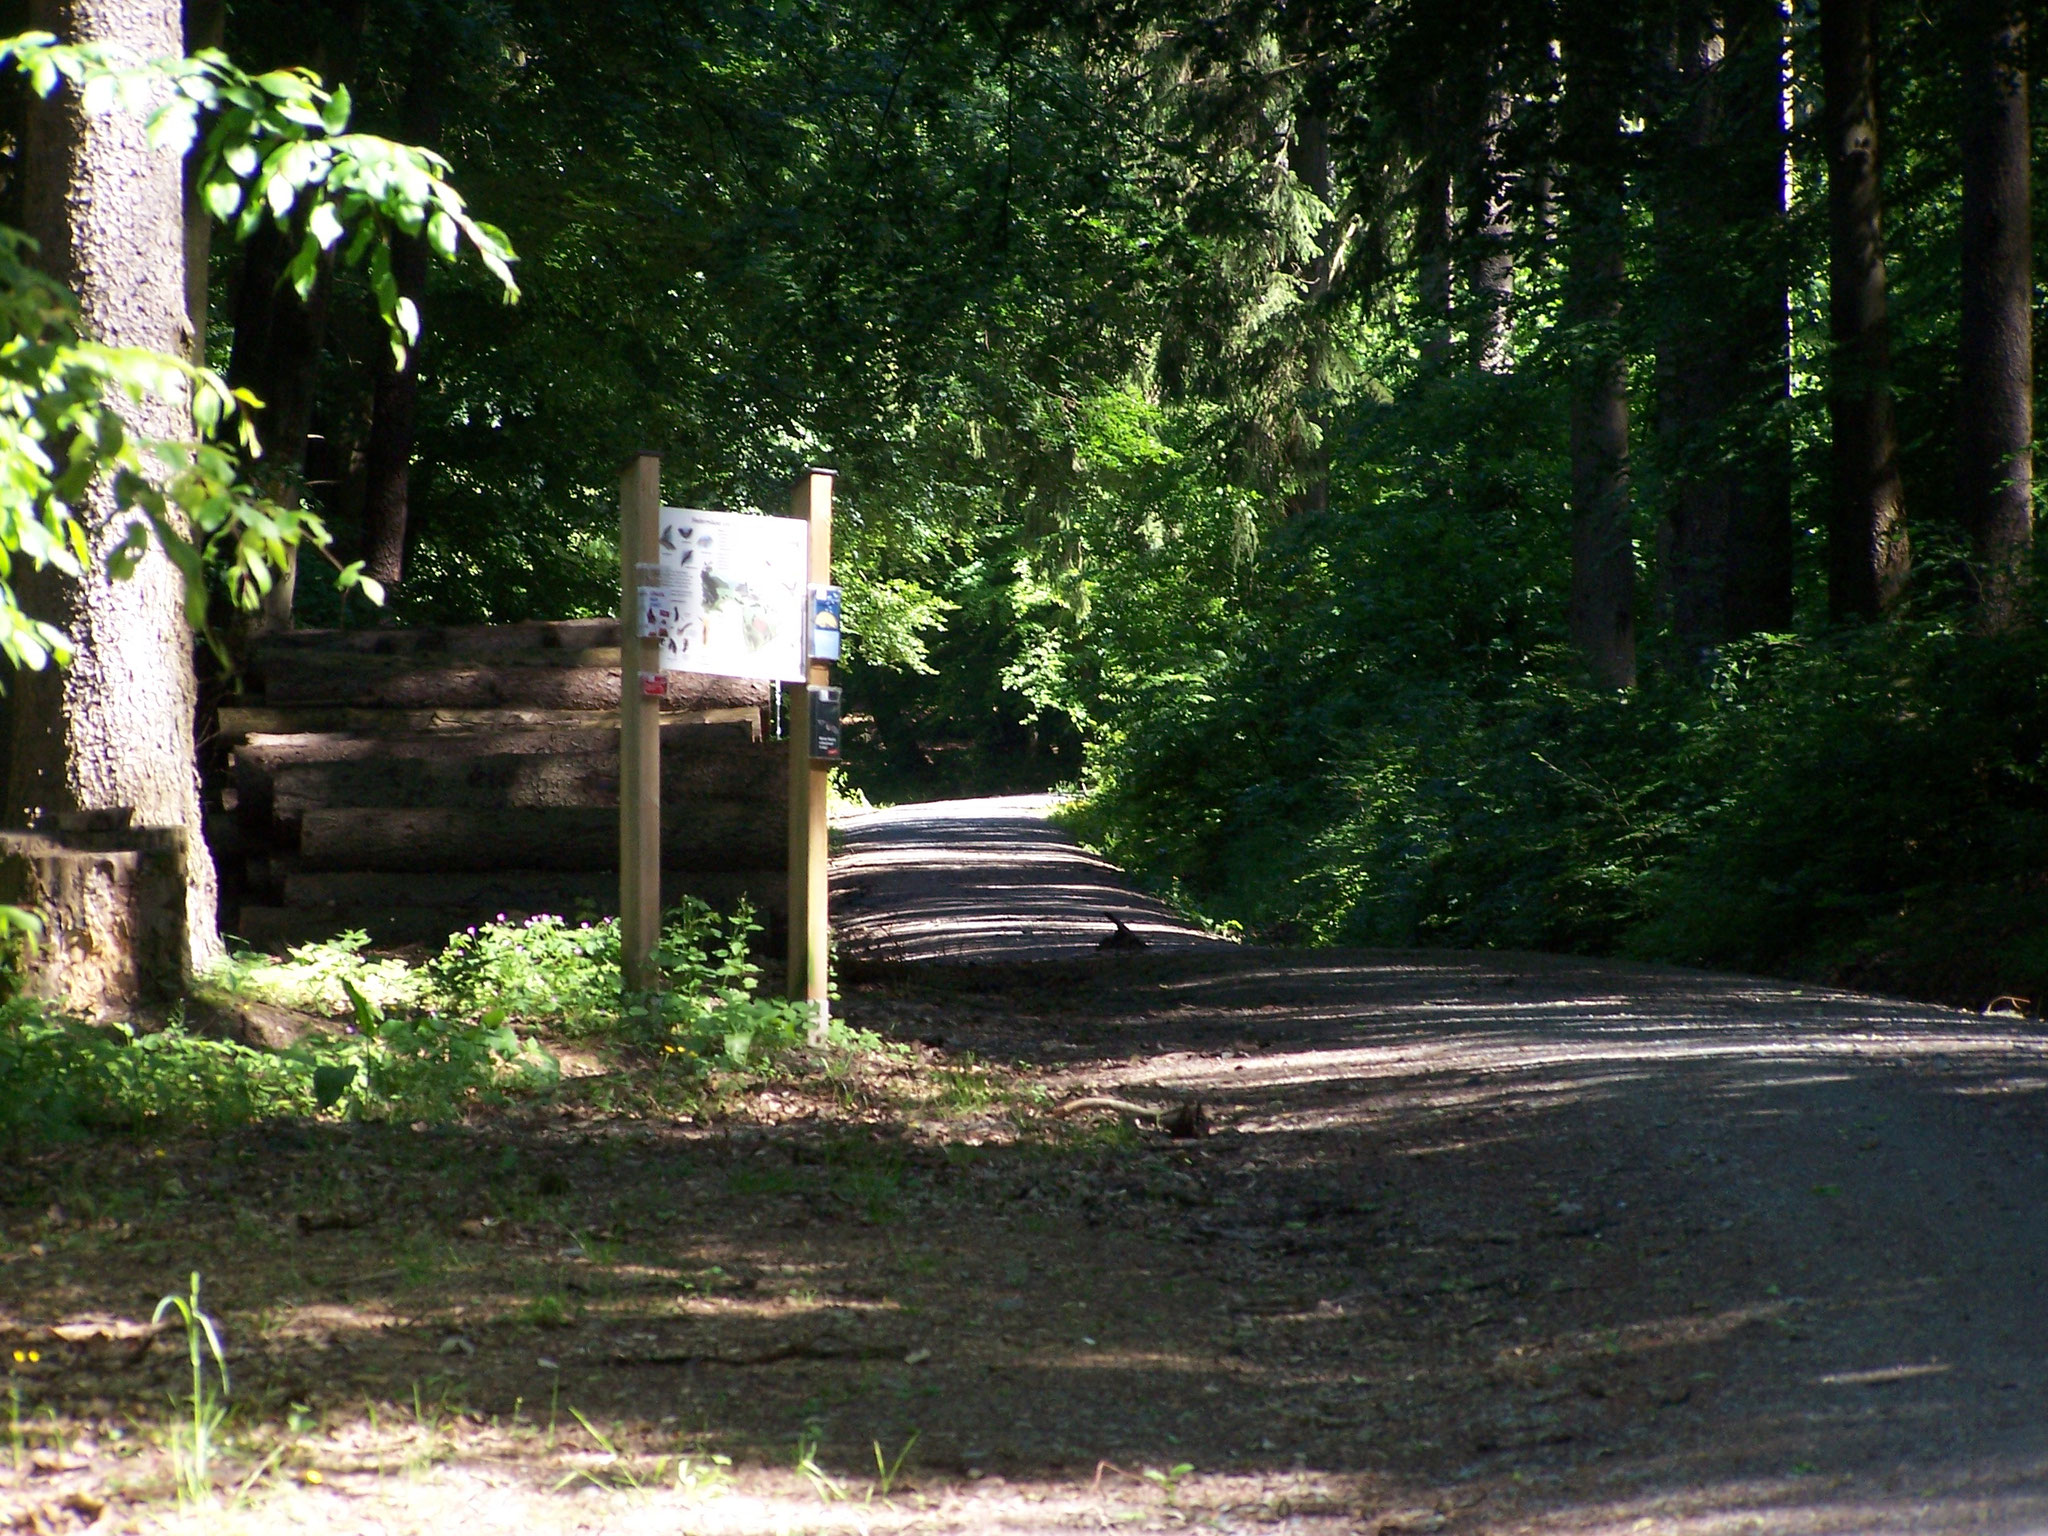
x=544, y=970
x=710, y=1008
x=316, y=977
x=1868, y=806
x=419, y=1044
x=60, y=1077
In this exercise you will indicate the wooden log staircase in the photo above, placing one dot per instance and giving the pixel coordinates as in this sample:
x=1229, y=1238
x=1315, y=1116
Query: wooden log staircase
x=410, y=783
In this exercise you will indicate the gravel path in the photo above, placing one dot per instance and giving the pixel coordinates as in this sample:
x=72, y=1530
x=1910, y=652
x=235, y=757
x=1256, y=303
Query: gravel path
x=983, y=880
x=1556, y=1245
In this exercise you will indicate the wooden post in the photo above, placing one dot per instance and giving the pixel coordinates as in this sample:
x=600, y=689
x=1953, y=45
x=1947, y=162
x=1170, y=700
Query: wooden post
x=809, y=928
x=639, y=729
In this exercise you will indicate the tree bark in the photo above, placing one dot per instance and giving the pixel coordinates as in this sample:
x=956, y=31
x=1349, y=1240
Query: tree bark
x=395, y=398
x=1868, y=554
x=1602, y=614
x=1492, y=257
x=1723, y=360
x=1997, y=349
x=205, y=24
x=394, y=422
x=278, y=341
x=115, y=729
x=1433, y=261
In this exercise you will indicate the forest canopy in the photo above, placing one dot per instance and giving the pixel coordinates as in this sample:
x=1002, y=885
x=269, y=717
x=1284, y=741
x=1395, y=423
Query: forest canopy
x=1527, y=473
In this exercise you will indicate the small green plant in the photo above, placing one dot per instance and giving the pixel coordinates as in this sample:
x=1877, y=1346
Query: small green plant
x=545, y=969
x=548, y=1311
x=16, y=1443
x=624, y=1477
x=192, y=1447
x=823, y=1483
x=319, y=977
x=887, y=1472
x=1168, y=1480
x=964, y=1090
x=695, y=1475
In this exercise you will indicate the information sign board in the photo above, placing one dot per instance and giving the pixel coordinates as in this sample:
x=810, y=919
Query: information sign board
x=734, y=594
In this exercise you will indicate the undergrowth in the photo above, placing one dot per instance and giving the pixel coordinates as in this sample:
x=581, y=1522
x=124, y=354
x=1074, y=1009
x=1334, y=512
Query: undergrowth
x=469, y=1027
x=1866, y=808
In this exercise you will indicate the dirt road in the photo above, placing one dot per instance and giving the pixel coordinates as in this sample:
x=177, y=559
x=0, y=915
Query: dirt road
x=1478, y=1244
x=1585, y=1243
x=983, y=881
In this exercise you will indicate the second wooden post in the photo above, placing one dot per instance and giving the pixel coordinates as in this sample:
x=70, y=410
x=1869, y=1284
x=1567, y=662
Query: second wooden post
x=809, y=926
x=639, y=729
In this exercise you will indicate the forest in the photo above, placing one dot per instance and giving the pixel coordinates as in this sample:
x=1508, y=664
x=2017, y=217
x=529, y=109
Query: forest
x=1531, y=475
x=1440, y=868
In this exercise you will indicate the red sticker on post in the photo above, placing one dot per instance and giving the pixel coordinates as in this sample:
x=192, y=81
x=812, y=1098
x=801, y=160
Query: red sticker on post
x=653, y=685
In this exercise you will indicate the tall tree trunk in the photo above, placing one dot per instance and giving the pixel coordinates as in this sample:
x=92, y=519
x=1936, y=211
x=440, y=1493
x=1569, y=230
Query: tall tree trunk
x=1868, y=554
x=1602, y=615
x=205, y=23
x=1309, y=159
x=395, y=397
x=1723, y=361
x=1433, y=234
x=115, y=728
x=1492, y=257
x=1997, y=361
x=278, y=340
x=394, y=420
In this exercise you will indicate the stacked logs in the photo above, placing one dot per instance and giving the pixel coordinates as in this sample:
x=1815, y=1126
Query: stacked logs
x=410, y=783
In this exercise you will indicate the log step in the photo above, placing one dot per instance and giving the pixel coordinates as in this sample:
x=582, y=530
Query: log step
x=241, y=721
x=713, y=835
x=282, y=748
x=520, y=890
x=513, y=780
x=532, y=682
x=445, y=639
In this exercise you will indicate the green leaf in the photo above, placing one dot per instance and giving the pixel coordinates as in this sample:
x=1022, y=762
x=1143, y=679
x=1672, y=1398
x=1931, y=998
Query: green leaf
x=281, y=194
x=367, y=1014
x=324, y=226
x=442, y=234
x=223, y=198
x=331, y=1082
x=334, y=115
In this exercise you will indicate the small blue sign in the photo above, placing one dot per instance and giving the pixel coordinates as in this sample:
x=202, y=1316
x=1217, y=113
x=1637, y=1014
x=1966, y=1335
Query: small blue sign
x=826, y=633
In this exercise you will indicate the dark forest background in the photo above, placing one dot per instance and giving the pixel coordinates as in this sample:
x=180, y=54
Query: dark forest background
x=1526, y=473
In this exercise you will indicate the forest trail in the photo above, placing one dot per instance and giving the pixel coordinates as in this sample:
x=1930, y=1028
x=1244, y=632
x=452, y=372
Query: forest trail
x=985, y=880
x=1483, y=1244
x=1559, y=1244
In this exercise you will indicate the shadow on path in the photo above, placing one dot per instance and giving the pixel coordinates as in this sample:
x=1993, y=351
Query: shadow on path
x=983, y=881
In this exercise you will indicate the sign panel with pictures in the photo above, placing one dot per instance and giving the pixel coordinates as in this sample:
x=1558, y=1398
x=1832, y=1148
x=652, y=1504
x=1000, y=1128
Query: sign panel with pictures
x=733, y=595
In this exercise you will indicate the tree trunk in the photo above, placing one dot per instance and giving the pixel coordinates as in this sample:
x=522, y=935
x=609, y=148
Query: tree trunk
x=394, y=419
x=1433, y=261
x=1997, y=361
x=115, y=729
x=1868, y=554
x=1492, y=257
x=278, y=341
x=395, y=398
x=1602, y=614
x=205, y=23
x=1723, y=361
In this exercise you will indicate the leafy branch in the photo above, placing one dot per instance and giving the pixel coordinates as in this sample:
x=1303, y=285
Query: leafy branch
x=278, y=149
